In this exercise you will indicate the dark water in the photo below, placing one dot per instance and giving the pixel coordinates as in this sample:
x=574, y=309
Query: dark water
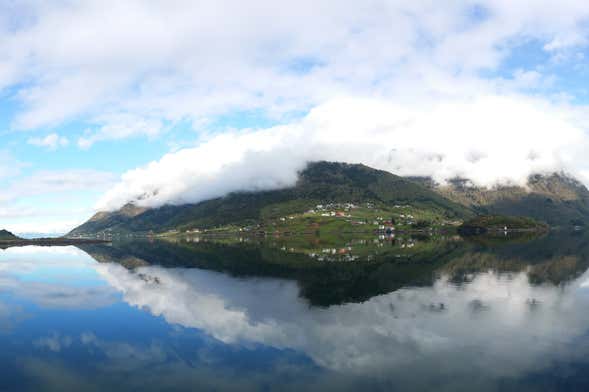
x=315, y=314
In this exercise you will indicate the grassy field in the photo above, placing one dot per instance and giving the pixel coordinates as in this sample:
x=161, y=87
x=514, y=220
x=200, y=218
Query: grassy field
x=338, y=218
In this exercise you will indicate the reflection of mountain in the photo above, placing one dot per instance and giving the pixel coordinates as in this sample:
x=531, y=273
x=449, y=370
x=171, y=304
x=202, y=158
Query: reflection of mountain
x=322, y=282
x=396, y=339
x=556, y=259
x=491, y=329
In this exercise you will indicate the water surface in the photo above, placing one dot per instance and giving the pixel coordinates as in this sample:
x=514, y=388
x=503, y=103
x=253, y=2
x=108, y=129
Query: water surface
x=285, y=314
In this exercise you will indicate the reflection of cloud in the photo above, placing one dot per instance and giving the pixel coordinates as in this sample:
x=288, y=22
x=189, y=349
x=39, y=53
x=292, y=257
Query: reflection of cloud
x=404, y=333
x=122, y=351
x=55, y=295
x=26, y=271
x=22, y=259
x=45, y=250
x=113, y=350
x=155, y=365
x=54, y=376
x=54, y=342
x=10, y=316
x=153, y=369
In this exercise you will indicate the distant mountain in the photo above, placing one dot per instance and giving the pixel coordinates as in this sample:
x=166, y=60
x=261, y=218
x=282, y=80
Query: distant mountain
x=320, y=182
x=5, y=235
x=556, y=199
x=32, y=235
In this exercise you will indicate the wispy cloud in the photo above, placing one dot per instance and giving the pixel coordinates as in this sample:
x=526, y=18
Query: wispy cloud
x=41, y=201
x=52, y=141
x=46, y=182
x=9, y=165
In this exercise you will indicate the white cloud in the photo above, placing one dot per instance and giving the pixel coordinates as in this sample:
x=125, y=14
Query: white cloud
x=120, y=127
x=51, y=141
x=168, y=61
x=41, y=227
x=489, y=139
x=47, y=202
x=44, y=182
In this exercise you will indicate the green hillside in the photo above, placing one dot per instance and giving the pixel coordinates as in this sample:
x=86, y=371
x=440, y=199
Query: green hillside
x=319, y=183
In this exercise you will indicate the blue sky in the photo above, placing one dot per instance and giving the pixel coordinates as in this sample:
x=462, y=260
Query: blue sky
x=196, y=100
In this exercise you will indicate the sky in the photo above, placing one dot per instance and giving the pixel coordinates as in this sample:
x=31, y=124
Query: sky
x=168, y=102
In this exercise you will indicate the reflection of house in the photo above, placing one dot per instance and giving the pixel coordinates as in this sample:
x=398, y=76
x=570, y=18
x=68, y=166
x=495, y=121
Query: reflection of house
x=387, y=229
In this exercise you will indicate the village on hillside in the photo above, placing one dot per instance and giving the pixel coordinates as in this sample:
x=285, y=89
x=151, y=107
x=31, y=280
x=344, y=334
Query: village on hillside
x=329, y=218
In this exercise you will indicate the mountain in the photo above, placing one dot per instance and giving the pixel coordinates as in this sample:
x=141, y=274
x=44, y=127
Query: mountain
x=556, y=198
x=7, y=240
x=5, y=235
x=320, y=182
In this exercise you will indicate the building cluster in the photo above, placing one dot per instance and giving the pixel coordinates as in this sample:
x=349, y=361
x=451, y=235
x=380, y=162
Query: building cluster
x=334, y=209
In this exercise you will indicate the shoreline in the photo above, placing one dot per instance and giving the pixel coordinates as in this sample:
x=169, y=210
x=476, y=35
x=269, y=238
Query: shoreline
x=51, y=242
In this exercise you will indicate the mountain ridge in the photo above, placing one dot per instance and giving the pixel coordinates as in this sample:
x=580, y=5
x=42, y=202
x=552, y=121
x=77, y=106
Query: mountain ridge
x=555, y=198
x=318, y=183
x=6, y=235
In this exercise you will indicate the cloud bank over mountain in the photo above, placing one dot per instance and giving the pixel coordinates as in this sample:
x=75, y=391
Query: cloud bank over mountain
x=489, y=139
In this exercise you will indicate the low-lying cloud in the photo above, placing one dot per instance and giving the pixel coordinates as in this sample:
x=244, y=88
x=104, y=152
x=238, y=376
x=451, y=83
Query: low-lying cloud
x=489, y=139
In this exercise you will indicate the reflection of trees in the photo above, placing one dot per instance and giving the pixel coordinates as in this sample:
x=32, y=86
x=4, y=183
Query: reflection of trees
x=554, y=259
x=321, y=283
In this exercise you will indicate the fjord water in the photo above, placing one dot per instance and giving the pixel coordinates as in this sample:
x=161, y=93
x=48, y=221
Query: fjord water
x=337, y=314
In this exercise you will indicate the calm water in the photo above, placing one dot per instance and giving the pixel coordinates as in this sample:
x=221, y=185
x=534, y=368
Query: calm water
x=377, y=314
